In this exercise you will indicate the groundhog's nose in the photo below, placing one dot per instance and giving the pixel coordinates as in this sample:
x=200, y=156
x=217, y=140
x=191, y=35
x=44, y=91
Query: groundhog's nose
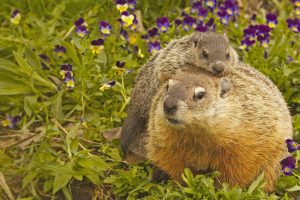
x=218, y=67
x=170, y=105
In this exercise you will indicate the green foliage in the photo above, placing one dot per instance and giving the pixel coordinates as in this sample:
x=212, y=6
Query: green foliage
x=59, y=140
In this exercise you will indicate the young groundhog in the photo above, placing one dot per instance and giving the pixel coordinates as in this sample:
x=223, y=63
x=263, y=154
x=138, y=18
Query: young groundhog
x=234, y=124
x=199, y=51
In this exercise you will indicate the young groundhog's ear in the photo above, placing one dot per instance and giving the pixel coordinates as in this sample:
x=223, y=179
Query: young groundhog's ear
x=225, y=87
x=197, y=37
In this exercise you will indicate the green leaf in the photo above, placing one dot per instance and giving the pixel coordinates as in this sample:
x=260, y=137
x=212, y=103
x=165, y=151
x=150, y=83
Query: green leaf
x=67, y=193
x=256, y=183
x=293, y=189
x=56, y=108
x=29, y=102
x=28, y=178
x=94, y=178
x=60, y=181
x=71, y=52
x=48, y=185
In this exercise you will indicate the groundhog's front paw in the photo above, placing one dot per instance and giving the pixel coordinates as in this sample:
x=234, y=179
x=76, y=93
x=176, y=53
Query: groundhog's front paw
x=159, y=175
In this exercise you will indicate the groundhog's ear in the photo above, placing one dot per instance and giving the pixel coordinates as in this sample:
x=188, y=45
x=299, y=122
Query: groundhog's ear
x=196, y=39
x=225, y=87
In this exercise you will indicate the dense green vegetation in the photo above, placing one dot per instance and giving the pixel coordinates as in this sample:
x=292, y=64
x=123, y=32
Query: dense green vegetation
x=61, y=87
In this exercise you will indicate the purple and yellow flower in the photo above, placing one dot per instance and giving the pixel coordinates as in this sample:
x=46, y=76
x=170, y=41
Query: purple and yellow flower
x=201, y=28
x=10, y=121
x=292, y=145
x=271, y=20
x=153, y=47
x=288, y=164
x=250, y=32
x=108, y=85
x=121, y=5
x=246, y=43
x=80, y=22
x=127, y=19
x=264, y=40
x=211, y=4
x=296, y=3
x=177, y=22
x=124, y=34
x=231, y=7
x=294, y=24
x=210, y=24
x=163, y=24
x=152, y=32
x=105, y=28
x=202, y=13
x=134, y=23
x=188, y=22
x=60, y=50
x=119, y=67
x=15, y=17
x=131, y=4
x=81, y=31
x=97, y=46
x=69, y=80
x=66, y=70
x=223, y=15
x=195, y=7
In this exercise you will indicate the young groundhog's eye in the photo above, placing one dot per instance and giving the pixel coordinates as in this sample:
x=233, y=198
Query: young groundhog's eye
x=199, y=93
x=205, y=53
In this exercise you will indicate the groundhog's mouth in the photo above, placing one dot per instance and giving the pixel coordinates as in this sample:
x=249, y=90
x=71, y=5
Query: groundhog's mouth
x=173, y=121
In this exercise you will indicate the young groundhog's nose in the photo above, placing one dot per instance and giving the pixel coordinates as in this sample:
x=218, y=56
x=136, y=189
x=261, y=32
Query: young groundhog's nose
x=170, y=105
x=218, y=67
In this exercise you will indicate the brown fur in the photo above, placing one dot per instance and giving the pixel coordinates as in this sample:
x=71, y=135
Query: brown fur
x=240, y=134
x=180, y=54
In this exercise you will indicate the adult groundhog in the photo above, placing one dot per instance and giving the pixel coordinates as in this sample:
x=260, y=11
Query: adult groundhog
x=207, y=51
x=236, y=124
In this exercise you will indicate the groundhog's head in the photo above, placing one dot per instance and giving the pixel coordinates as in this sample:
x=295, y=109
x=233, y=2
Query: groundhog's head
x=212, y=52
x=188, y=97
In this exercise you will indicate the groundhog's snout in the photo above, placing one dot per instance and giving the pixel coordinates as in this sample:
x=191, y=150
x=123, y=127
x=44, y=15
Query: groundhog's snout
x=170, y=105
x=218, y=67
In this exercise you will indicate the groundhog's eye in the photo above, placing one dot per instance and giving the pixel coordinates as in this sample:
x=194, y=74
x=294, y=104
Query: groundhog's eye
x=199, y=93
x=205, y=53
x=227, y=55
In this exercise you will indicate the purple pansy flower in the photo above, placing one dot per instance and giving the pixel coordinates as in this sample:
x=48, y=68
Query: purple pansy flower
x=105, y=28
x=211, y=4
x=153, y=47
x=201, y=28
x=97, y=46
x=163, y=24
x=177, y=22
x=271, y=20
x=60, y=50
x=246, y=43
x=81, y=31
x=202, y=13
x=224, y=17
x=188, y=22
x=196, y=5
x=10, y=121
x=108, y=85
x=152, y=32
x=131, y=4
x=69, y=80
x=294, y=24
x=121, y=5
x=127, y=18
x=288, y=164
x=292, y=145
x=15, y=17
